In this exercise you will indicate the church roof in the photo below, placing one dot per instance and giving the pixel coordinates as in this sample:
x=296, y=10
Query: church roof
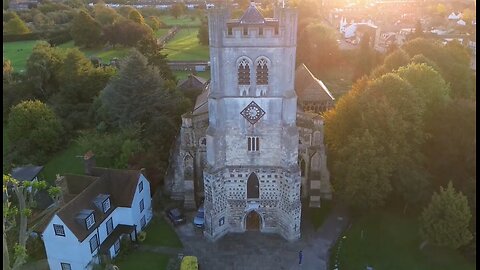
x=201, y=104
x=309, y=88
x=252, y=15
x=192, y=82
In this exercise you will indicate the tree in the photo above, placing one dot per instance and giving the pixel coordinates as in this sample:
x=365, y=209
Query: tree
x=85, y=30
x=154, y=22
x=125, y=10
x=16, y=26
x=24, y=193
x=203, y=33
x=396, y=59
x=362, y=173
x=80, y=83
x=105, y=15
x=115, y=149
x=7, y=71
x=445, y=221
x=34, y=131
x=138, y=95
x=318, y=48
x=127, y=33
x=177, y=10
x=42, y=66
x=153, y=52
x=365, y=57
x=136, y=17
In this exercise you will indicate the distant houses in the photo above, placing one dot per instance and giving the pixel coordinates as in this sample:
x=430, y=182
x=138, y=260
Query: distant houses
x=96, y=212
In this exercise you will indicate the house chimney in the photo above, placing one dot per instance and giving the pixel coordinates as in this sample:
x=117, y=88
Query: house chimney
x=89, y=162
x=62, y=184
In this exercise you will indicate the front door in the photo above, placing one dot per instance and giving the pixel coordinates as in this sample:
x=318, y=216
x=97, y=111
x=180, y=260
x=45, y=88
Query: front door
x=253, y=221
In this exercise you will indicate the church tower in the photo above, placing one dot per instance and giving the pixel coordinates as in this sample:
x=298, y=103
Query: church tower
x=251, y=177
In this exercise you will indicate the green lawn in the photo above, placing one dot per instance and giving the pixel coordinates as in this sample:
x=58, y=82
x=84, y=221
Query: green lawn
x=185, y=46
x=66, y=161
x=143, y=260
x=161, y=32
x=105, y=54
x=160, y=233
x=182, y=20
x=391, y=241
x=18, y=52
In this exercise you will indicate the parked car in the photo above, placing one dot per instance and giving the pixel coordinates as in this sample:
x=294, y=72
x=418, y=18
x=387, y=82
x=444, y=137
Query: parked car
x=199, y=219
x=175, y=216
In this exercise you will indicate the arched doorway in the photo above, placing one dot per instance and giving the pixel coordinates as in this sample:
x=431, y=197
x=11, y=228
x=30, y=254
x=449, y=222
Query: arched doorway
x=252, y=221
x=253, y=187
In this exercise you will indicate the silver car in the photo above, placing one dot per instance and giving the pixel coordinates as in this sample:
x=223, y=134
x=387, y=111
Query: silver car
x=199, y=220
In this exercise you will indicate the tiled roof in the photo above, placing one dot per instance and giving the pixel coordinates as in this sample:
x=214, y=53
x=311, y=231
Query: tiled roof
x=310, y=88
x=26, y=173
x=252, y=16
x=192, y=82
x=119, y=184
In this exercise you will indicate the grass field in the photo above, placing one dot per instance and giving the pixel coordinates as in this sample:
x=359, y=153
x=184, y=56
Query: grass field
x=391, y=241
x=143, y=260
x=161, y=32
x=66, y=161
x=105, y=54
x=18, y=52
x=185, y=46
x=181, y=21
x=159, y=233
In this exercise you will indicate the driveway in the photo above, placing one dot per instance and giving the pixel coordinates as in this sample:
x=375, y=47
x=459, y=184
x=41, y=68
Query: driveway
x=254, y=250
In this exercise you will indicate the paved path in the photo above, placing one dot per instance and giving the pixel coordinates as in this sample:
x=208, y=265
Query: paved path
x=254, y=250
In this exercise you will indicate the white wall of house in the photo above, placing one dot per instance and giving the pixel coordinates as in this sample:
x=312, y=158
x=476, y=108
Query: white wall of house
x=65, y=249
x=147, y=199
x=68, y=249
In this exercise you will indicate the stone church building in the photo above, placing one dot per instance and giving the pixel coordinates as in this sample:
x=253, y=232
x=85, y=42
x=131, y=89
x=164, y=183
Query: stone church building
x=252, y=146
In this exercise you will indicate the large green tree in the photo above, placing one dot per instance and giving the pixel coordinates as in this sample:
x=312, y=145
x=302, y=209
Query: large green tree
x=177, y=10
x=85, y=31
x=105, y=15
x=445, y=221
x=135, y=16
x=34, y=132
x=318, y=48
x=16, y=26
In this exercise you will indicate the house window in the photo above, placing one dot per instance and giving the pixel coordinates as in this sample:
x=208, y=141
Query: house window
x=59, y=230
x=143, y=222
x=90, y=221
x=253, y=144
x=262, y=72
x=93, y=243
x=244, y=73
x=109, y=226
x=245, y=31
x=140, y=186
x=142, y=205
x=229, y=30
x=260, y=31
x=105, y=205
x=66, y=266
x=116, y=246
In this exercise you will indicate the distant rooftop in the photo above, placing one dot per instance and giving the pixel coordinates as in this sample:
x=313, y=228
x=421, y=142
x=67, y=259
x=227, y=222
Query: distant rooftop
x=26, y=173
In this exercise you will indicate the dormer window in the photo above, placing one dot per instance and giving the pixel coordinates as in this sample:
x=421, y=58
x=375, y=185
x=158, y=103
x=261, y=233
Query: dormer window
x=86, y=218
x=90, y=221
x=102, y=202
x=106, y=205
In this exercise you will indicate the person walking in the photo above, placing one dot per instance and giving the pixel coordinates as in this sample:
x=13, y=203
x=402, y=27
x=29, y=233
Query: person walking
x=300, y=256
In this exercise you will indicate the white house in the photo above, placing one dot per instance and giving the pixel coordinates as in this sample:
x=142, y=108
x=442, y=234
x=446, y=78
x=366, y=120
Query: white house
x=97, y=210
x=454, y=16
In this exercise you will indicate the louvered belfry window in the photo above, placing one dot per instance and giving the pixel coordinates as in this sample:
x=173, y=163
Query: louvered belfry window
x=244, y=73
x=262, y=72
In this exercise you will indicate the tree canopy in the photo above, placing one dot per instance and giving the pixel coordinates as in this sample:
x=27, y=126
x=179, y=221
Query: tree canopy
x=445, y=221
x=85, y=31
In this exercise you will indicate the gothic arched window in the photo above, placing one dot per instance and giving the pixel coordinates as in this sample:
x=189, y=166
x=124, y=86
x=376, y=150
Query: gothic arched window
x=262, y=72
x=244, y=72
x=253, y=187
